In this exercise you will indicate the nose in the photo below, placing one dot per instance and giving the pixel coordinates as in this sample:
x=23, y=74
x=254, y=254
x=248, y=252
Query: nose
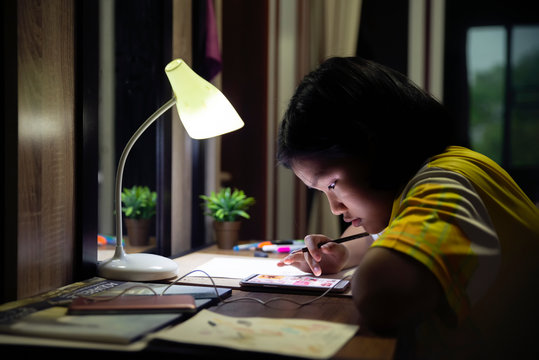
x=336, y=206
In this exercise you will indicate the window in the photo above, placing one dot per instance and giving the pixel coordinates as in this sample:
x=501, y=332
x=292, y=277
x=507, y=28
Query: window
x=503, y=81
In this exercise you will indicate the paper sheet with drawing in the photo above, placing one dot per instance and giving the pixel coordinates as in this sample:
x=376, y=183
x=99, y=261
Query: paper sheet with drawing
x=313, y=339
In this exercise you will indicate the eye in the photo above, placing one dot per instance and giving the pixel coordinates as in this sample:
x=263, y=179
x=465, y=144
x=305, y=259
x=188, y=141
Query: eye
x=332, y=185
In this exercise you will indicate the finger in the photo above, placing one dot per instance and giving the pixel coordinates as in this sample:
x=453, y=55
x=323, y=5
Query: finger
x=313, y=248
x=328, y=247
x=313, y=264
x=299, y=263
x=292, y=258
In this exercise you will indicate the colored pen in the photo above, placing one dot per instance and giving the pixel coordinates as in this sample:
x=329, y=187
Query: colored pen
x=260, y=253
x=287, y=242
x=259, y=245
x=245, y=246
x=341, y=240
x=281, y=249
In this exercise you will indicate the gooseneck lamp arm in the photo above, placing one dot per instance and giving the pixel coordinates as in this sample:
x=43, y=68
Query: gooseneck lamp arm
x=119, y=252
x=141, y=266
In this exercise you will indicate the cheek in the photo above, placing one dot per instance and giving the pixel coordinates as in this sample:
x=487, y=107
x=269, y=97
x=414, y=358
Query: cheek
x=355, y=200
x=368, y=203
x=380, y=211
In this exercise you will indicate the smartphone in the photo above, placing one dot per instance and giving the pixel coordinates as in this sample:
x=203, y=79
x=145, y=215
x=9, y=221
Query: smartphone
x=297, y=282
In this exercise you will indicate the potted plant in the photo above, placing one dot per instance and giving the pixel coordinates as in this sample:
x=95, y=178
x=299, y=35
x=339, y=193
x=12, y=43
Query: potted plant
x=226, y=208
x=139, y=207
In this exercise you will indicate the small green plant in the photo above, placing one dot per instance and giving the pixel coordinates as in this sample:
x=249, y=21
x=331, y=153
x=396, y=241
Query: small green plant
x=227, y=205
x=139, y=202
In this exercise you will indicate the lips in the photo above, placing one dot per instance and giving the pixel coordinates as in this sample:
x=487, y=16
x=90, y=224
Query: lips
x=355, y=222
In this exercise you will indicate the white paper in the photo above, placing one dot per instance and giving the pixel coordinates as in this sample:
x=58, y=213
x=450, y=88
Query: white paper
x=241, y=267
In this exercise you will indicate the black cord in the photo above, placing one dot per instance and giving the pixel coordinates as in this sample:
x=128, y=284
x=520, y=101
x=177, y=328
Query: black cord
x=225, y=301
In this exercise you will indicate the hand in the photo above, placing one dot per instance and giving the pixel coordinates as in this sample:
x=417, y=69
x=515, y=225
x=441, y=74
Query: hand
x=330, y=258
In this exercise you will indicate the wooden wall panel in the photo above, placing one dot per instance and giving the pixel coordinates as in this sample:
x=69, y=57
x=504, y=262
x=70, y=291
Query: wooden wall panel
x=46, y=145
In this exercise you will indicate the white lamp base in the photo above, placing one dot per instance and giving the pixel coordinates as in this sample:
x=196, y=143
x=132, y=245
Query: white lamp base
x=138, y=267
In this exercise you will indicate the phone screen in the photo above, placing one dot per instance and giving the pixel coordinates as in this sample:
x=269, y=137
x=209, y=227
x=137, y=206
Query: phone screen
x=302, y=282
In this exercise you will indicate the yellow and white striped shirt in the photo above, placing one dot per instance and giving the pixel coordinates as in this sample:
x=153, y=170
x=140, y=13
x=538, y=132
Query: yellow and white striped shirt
x=468, y=222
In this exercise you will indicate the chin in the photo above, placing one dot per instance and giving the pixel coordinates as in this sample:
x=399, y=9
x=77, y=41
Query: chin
x=372, y=229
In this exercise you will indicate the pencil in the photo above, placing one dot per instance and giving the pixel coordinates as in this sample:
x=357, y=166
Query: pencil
x=341, y=240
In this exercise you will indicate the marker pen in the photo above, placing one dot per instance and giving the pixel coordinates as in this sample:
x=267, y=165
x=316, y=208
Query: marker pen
x=280, y=248
x=245, y=246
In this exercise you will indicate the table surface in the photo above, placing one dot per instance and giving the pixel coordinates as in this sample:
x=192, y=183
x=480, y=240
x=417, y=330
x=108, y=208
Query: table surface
x=329, y=308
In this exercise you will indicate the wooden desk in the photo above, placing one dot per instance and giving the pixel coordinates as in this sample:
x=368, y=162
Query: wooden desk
x=330, y=308
x=338, y=309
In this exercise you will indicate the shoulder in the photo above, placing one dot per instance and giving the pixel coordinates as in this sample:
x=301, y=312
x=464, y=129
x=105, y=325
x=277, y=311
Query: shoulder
x=444, y=193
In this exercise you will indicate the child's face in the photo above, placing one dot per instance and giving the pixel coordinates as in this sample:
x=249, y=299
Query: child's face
x=343, y=182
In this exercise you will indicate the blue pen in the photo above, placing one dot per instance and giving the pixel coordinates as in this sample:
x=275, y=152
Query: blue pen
x=245, y=246
x=259, y=253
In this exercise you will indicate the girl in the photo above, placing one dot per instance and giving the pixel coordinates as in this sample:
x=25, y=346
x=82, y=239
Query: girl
x=454, y=260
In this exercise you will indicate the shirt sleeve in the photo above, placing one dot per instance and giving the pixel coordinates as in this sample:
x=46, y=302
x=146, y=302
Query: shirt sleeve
x=441, y=222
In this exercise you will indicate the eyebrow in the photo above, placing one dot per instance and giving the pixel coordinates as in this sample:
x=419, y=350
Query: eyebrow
x=316, y=178
x=310, y=184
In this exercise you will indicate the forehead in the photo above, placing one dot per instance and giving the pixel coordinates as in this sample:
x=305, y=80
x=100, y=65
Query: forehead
x=311, y=171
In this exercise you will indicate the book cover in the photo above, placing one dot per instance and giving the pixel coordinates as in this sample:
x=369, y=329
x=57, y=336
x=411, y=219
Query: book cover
x=119, y=329
x=46, y=315
x=141, y=304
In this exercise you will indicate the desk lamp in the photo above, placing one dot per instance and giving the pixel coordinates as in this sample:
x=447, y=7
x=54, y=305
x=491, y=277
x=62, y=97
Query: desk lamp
x=205, y=112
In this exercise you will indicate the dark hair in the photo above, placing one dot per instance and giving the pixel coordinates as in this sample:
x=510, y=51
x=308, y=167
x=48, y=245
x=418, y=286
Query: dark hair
x=352, y=107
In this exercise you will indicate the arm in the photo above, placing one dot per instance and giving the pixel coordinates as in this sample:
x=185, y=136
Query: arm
x=392, y=291
x=330, y=258
x=356, y=248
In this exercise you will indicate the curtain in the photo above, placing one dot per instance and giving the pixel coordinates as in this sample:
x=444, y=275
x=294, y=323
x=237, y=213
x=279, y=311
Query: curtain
x=207, y=63
x=328, y=28
x=181, y=179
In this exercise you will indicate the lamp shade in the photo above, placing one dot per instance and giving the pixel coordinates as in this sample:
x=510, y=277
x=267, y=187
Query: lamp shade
x=204, y=111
